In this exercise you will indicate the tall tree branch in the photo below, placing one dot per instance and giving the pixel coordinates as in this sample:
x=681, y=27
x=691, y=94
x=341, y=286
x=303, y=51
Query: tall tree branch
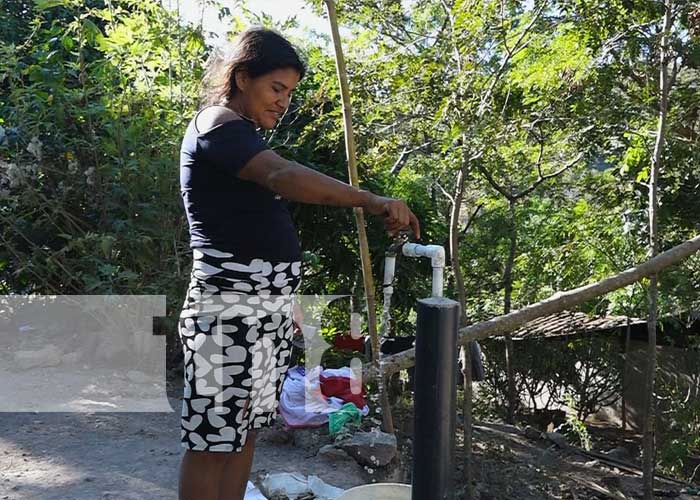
x=445, y=192
x=649, y=431
x=403, y=156
x=517, y=47
x=543, y=178
x=471, y=219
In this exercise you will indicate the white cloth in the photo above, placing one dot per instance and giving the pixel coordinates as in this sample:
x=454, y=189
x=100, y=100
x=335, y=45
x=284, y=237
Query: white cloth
x=302, y=404
x=252, y=493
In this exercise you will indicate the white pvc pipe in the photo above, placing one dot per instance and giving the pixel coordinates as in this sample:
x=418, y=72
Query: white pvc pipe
x=437, y=281
x=436, y=254
x=389, y=270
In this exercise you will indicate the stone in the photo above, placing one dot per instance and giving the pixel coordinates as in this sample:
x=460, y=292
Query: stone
x=311, y=440
x=532, y=433
x=334, y=454
x=393, y=473
x=556, y=438
x=373, y=449
x=620, y=453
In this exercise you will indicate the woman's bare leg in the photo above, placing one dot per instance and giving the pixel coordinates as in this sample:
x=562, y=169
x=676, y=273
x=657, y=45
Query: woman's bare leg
x=200, y=474
x=237, y=471
x=206, y=475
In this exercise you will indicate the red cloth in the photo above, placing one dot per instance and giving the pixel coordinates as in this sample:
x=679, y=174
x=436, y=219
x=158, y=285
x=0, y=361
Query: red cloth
x=339, y=387
x=347, y=342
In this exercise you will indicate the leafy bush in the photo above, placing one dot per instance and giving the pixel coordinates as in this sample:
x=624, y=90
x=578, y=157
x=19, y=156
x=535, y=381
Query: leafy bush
x=583, y=373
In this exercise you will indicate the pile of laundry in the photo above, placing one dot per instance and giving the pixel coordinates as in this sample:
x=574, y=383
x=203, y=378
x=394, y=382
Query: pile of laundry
x=318, y=396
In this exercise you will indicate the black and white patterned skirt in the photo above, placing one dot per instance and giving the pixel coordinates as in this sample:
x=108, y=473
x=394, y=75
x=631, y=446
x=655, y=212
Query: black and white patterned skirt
x=236, y=332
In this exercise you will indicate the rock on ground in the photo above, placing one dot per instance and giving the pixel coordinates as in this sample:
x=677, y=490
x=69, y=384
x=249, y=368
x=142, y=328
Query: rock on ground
x=374, y=449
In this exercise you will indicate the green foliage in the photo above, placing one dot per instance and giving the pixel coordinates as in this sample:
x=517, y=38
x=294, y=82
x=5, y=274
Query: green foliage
x=95, y=97
x=575, y=430
x=583, y=373
x=679, y=415
x=551, y=63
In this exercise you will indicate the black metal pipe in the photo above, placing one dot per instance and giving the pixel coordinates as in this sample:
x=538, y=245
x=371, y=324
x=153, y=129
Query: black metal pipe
x=435, y=399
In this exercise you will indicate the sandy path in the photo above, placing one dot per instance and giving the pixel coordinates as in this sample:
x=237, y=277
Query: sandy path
x=92, y=456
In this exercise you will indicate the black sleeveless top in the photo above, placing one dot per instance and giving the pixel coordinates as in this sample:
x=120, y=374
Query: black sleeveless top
x=228, y=213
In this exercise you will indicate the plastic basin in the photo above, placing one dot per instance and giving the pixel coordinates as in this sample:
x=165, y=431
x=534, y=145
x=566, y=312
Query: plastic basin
x=381, y=491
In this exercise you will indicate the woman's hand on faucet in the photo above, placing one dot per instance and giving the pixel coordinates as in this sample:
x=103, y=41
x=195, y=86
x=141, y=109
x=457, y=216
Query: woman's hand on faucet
x=396, y=214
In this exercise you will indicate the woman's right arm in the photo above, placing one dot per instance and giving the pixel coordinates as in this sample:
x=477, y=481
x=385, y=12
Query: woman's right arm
x=296, y=182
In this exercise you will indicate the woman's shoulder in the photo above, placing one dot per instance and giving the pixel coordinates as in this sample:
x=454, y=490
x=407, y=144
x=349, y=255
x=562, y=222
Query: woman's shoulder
x=214, y=117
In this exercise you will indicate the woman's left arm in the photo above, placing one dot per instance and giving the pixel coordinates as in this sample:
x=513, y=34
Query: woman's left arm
x=296, y=182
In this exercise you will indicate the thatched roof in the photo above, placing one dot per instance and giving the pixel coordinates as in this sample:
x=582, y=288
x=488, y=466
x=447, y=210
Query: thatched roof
x=568, y=323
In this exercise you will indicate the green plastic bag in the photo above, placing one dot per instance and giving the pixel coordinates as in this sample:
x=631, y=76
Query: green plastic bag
x=348, y=413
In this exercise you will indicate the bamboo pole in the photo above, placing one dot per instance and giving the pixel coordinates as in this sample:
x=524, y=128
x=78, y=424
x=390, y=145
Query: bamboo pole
x=388, y=425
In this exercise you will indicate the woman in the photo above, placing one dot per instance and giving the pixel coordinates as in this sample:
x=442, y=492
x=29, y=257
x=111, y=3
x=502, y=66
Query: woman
x=244, y=247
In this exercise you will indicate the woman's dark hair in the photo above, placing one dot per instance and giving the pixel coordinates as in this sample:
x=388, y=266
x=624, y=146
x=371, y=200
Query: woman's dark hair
x=257, y=51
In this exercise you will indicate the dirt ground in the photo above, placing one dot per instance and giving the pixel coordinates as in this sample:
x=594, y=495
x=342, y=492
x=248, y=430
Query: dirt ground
x=511, y=465
x=125, y=456
x=135, y=456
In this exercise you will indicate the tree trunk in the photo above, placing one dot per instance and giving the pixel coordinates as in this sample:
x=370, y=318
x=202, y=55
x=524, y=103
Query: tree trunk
x=650, y=406
x=507, y=298
x=554, y=304
x=467, y=472
x=625, y=374
x=388, y=425
x=454, y=245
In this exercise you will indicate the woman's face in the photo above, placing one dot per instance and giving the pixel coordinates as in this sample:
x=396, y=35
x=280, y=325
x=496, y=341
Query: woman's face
x=266, y=98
